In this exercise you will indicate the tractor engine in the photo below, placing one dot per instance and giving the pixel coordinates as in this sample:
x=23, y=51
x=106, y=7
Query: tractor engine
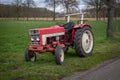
x=46, y=39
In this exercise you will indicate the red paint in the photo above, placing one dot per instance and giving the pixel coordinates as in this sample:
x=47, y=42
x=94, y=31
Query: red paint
x=82, y=26
x=55, y=29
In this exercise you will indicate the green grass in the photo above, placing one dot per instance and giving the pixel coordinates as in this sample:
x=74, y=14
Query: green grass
x=14, y=39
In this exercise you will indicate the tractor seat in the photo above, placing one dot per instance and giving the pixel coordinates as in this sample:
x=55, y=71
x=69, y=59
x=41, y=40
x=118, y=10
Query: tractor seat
x=68, y=26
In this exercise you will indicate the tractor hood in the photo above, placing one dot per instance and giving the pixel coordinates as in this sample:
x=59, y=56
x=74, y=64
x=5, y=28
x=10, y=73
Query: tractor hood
x=52, y=29
x=48, y=32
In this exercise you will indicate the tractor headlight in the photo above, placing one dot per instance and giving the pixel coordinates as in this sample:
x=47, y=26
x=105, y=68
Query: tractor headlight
x=32, y=39
x=37, y=39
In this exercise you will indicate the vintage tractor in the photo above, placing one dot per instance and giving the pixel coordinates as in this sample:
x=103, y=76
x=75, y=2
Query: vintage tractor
x=57, y=39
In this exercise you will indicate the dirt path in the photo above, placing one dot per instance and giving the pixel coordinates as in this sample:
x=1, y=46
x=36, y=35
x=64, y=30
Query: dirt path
x=109, y=70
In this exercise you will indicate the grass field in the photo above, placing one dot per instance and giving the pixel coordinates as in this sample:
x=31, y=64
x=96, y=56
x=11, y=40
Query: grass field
x=14, y=39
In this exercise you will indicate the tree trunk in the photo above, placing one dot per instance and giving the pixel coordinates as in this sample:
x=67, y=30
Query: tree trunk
x=110, y=25
x=17, y=13
x=54, y=12
x=97, y=10
x=97, y=14
x=104, y=15
x=67, y=10
x=27, y=13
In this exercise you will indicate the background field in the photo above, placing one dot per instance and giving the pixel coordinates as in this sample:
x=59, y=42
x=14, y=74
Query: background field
x=57, y=19
x=50, y=19
x=14, y=39
x=43, y=19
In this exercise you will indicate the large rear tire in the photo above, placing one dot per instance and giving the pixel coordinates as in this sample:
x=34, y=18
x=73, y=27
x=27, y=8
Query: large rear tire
x=59, y=55
x=84, y=42
x=29, y=55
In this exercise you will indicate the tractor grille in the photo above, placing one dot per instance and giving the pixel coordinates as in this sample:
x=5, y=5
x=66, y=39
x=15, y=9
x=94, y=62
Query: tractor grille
x=34, y=36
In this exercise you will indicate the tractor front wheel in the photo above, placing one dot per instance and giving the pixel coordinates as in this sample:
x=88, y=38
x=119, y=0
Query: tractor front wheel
x=29, y=55
x=59, y=55
x=84, y=42
x=66, y=49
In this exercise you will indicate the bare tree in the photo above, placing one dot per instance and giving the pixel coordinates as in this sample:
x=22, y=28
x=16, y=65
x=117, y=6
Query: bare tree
x=70, y=4
x=117, y=9
x=111, y=10
x=53, y=4
x=111, y=4
x=29, y=4
x=17, y=4
x=97, y=4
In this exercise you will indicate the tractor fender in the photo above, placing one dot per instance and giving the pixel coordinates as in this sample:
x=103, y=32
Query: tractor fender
x=82, y=26
x=77, y=27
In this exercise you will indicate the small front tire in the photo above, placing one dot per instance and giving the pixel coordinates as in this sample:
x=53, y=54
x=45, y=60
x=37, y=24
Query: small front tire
x=59, y=55
x=29, y=55
x=66, y=49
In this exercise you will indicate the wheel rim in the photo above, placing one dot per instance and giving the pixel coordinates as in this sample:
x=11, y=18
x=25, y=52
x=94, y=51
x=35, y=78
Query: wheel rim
x=87, y=41
x=32, y=57
x=61, y=55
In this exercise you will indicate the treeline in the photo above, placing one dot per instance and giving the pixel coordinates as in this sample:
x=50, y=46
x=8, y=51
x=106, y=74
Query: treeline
x=11, y=11
x=103, y=13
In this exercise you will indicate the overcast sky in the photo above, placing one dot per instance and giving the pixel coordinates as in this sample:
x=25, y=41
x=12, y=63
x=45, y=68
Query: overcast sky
x=40, y=3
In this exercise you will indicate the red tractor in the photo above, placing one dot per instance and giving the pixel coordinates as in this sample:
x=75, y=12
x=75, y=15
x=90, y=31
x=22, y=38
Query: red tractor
x=57, y=39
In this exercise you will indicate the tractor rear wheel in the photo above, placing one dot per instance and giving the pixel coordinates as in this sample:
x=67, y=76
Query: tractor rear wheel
x=29, y=55
x=59, y=55
x=84, y=42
